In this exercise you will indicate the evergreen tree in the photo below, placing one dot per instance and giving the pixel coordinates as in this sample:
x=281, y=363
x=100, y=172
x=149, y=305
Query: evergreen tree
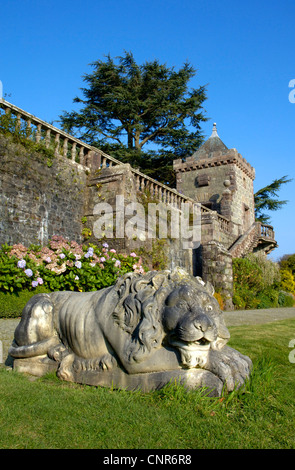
x=141, y=114
x=267, y=199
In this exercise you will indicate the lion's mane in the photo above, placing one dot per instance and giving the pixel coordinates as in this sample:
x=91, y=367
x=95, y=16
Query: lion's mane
x=139, y=311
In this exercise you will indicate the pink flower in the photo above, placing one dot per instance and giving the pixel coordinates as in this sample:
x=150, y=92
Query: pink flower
x=134, y=255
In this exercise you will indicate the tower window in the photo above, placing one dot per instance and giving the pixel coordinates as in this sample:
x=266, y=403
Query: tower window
x=202, y=180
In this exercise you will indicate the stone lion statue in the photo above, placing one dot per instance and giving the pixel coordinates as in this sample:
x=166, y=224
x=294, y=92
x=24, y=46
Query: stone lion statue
x=142, y=332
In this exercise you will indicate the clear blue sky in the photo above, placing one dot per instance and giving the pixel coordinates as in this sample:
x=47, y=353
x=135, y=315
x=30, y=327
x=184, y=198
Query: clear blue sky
x=244, y=51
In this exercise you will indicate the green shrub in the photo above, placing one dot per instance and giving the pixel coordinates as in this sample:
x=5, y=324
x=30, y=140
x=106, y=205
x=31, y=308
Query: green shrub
x=245, y=299
x=248, y=281
x=286, y=299
x=257, y=283
x=288, y=262
x=63, y=265
x=269, y=269
x=16, y=273
x=287, y=280
x=268, y=298
x=12, y=304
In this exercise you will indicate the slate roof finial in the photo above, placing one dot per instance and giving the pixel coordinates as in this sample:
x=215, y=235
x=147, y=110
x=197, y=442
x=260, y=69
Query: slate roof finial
x=214, y=131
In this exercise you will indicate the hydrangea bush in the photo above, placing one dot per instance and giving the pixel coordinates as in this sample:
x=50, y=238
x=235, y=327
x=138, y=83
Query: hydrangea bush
x=63, y=265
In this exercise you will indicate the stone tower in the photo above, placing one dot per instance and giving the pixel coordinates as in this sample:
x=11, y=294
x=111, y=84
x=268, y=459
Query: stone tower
x=220, y=179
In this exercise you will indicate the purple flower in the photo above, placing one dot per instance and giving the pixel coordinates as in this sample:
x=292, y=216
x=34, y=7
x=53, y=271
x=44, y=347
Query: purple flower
x=105, y=245
x=133, y=255
x=48, y=259
x=62, y=255
x=28, y=272
x=40, y=280
x=87, y=255
x=78, y=264
x=102, y=259
x=21, y=263
x=117, y=263
x=35, y=283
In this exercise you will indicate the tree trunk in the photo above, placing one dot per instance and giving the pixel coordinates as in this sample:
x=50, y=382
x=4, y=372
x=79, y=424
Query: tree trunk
x=136, y=138
x=130, y=140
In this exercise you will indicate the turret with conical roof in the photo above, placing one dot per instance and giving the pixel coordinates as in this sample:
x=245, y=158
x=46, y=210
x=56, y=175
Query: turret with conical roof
x=212, y=145
x=220, y=179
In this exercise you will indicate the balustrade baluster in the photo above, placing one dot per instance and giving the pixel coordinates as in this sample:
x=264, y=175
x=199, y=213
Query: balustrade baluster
x=18, y=122
x=65, y=147
x=137, y=182
x=56, y=141
x=47, y=139
x=157, y=192
x=38, y=134
x=81, y=155
x=28, y=128
x=160, y=193
x=152, y=189
x=73, y=154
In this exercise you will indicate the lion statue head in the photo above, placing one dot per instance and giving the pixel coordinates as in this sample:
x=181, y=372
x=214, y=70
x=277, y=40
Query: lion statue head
x=170, y=309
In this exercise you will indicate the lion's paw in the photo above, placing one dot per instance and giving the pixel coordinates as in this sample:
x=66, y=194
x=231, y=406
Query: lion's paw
x=107, y=362
x=65, y=370
x=232, y=367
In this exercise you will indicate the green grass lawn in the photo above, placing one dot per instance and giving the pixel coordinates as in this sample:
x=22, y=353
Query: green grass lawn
x=51, y=414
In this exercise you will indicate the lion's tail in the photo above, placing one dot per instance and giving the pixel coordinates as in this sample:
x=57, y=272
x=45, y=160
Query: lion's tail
x=35, y=349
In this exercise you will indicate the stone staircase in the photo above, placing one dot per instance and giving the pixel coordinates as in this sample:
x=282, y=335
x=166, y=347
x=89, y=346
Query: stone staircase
x=246, y=242
x=258, y=237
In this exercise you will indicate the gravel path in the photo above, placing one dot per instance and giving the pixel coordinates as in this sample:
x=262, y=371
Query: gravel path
x=254, y=317
x=235, y=318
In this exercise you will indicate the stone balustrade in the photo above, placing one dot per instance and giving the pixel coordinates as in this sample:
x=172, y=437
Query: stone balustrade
x=63, y=144
x=267, y=231
x=161, y=192
x=80, y=153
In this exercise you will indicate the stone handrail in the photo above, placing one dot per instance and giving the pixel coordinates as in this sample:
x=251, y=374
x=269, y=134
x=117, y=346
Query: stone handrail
x=81, y=153
x=167, y=195
x=267, y=231
x=64, y=144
